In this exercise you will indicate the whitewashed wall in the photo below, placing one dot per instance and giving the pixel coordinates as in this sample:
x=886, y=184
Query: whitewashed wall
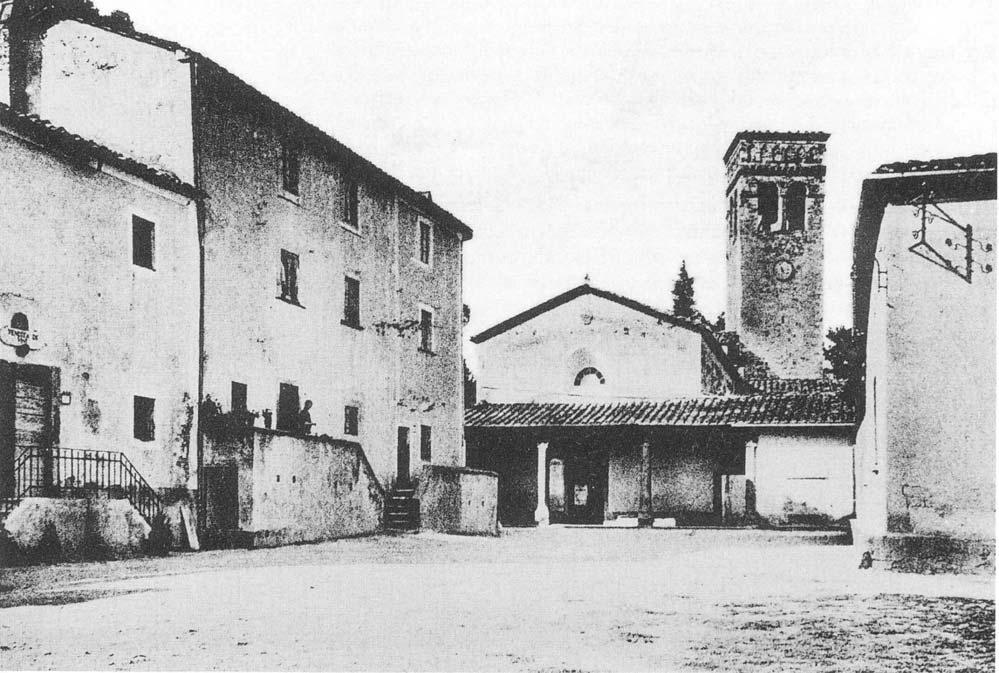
x=932, y=350
x=115, y=330
x=639, y=356
x=797, y=474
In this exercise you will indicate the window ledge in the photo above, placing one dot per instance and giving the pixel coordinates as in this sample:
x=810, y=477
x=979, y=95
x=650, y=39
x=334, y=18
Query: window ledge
x=291, y=198
x=347, y=323
x=426, y=351
x=286, y=300
x=354, y=230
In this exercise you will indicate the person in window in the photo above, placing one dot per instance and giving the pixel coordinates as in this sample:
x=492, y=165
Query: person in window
x=305, y=419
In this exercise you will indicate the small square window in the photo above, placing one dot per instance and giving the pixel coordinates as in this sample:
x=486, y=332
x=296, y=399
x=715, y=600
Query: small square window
x=349, y=205
x=288, y=281
x=143, y=426
x=426, y=251
x=351, y=302
x=350, y=420
x=143, y=242
x=425, y=443
x=290, y=168
x=426, y=330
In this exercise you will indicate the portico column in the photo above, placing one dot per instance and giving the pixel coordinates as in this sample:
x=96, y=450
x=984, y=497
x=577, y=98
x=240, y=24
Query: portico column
x=541, y=513
x=645, y=493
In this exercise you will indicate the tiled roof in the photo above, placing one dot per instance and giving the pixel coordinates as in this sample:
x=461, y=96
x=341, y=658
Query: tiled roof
x=803, y=410
x=803, y=386
x=328, y=142
x=62, y=142
x=968, y=163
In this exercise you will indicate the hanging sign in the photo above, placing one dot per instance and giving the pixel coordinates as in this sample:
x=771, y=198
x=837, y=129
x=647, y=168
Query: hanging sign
x=21, y=338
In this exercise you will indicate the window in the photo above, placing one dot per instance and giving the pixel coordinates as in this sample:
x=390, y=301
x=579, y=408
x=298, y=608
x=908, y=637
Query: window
x=794, y=207
x=425, y=443
x=19, y=321
x=426, y=330
x=350, y=420
x=287, y=410
x=290, y=168
x=143, y=238
x=289, y=277
x=348, y=206
x=143, y=427
x=238, y=396
x=589, y=376
x=767, y=207
x=733, y=215
x=351, y=302
x=426, y=249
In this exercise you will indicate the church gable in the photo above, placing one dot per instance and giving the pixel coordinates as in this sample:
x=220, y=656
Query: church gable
x=593, y=344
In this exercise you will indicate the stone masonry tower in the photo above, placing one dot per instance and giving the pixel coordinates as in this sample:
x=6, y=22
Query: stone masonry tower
x=775, y=194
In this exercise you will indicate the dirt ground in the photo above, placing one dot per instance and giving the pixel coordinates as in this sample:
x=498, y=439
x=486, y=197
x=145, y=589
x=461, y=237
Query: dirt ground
x=556, y=599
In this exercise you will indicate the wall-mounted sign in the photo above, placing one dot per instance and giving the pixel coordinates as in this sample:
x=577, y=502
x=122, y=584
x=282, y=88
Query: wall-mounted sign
x=19, y=338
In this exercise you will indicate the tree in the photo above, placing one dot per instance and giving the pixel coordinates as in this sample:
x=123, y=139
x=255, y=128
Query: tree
x=845, y=359
x=719, y=324
x=683, y=294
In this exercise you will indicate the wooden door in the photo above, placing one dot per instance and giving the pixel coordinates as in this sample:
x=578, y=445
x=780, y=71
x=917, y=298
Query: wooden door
x=222, y=507
x=402, y=458
x=26, y=425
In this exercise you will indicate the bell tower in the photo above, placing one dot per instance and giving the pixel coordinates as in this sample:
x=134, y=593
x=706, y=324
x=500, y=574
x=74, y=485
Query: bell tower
x=775, y=194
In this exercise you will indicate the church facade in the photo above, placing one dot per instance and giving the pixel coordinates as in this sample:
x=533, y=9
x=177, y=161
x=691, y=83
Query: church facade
x=597, y=409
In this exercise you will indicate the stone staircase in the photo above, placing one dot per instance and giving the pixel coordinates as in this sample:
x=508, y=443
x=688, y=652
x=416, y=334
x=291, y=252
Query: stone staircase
x=402, y=510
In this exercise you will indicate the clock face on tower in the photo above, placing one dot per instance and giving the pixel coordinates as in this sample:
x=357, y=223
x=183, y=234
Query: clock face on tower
x=783, y=270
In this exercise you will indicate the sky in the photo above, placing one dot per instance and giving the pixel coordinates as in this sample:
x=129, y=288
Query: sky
x=584, y=138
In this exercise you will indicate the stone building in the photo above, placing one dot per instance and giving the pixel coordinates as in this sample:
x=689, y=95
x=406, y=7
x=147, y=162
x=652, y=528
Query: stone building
x=775, y=192
x=924, y=296
x=321, y=277
x=595, y=407
x=98, y=362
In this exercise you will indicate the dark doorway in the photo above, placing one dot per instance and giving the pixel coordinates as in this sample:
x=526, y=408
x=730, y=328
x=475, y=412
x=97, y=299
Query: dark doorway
x=222, y=488
x=26, y=426
x=584, y=485
x=402, y=459
x=288, y=407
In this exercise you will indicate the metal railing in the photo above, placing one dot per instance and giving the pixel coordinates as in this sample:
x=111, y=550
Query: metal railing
x=77, y=473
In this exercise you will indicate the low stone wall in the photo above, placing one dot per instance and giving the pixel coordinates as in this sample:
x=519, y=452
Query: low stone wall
x=458, y=500
x=929, y=554
x=73, y=529
x=295, y=489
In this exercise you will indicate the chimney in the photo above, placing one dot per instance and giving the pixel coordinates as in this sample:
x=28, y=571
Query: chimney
x=23, y=35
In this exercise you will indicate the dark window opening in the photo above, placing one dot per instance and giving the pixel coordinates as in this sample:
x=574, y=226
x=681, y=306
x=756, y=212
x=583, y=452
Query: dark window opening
x=238, y=396
x=767, y=207
x=350, y=420
x=348, y=208
x=351, y=301
x=425, y=443
x=143, y=426
x=290, y=169
x=794, y=207
x=588, y=371
x=733, y=216
x=289, y=276
x=426, y=242
x=19, y=321
x=426, y=330
x=143, y=234
x=288, y=408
